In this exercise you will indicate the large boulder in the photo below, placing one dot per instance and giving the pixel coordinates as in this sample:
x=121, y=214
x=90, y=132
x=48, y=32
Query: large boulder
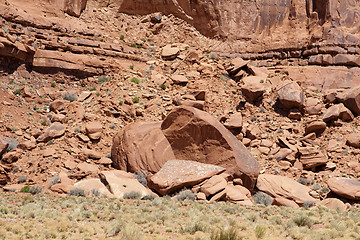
x=178, y=174
x=353, y=140
x=253, y=88
x=352, y=100
x=338, y=111
x=285, y=191
x=196, y=135
x=345, y=187
x=74, y=7
x=141, y=146
x=291, y=95
x=119, y=183
x=93, y=185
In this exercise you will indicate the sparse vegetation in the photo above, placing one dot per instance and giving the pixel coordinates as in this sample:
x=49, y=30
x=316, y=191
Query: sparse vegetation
x=262, y=198
x=135, y=80
x=141, y=177
x=70, y=96
x=185, y=194
x=136, y=100
x=77, y=192
x=132, y=195
x=25, y=189
x=13, y=143
x=104, y=78
x=162, y=86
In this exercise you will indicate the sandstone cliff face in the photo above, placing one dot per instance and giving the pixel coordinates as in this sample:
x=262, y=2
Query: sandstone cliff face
x=287, y=22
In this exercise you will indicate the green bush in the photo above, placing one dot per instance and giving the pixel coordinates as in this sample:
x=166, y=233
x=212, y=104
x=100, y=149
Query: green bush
x=162, y=86
x=136, y=100
x=135, y=80
x=122, y=37
x=25, y=189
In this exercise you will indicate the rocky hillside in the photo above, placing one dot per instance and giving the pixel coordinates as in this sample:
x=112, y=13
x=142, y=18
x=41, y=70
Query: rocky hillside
x=91, y=97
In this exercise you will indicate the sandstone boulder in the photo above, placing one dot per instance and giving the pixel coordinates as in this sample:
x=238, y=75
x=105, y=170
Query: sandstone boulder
x=119, y=183
x=179, y=79
x=94, y=130
x=333, y=203
x=196, y=135
x=169, y=52
x=238, y=194
x=213, y=185
x=283, y=188
x=74, y=7
x=178, y=174
x=253, y=88
x=141, y=146
x=338, y=111
x=345, y=187
x=12, y=156
x=353, y=140
x=291, y=95
x=92, y=185
x=235, y=121
x=352, y=100
x=315, y=126
x=55, y=130
x=312, y=157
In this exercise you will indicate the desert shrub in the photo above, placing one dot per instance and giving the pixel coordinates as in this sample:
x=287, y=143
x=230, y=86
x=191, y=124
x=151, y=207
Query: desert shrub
x=135, y=80
x=263, y=198
x=122, y=37
x=13, y=143
x=35, y=189
x=149, y=197
x=114, y=229
x=95, y=192
x=131, y=67
x=17, y=91
x=305, y=181
x=302, y=221
x=70, y=96
x=54, y=180
x=260, y=231
x=25, y=189
x=136, y=100
x=132, y=195
x=225, y=234
x=308, y=204
x=77, y=192
x=162, y=86
x=141, y=177
x=104, y=78
x=185, y=194
x=22, y=179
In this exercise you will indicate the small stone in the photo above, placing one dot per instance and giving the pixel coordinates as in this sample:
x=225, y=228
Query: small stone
x=94, y=130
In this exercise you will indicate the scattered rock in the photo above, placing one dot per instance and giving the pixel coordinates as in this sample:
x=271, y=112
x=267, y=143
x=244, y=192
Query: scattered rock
x=353, y=140
x=235, y=121
x=333, y=203
x=291, y=95
x=3, y=146
x=178, y=174
x=352, y=100
x=253, y=88
x=282, y=188
x=169, y=52
x=93, y=186
x=317, y=127
x=312, y=157
x=119, y=183
x=55, y=130
x=338, y=111
x=179, y=79
x=213, y=185
x=345, y=187
x=94, y=130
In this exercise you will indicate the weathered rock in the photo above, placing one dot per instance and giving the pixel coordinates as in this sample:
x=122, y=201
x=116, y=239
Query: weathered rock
x=283, y=187
x=178, y=174
x=141, y=146
x=235, y=121
x=196, y=135
x=238, y=194
x=58, y=105
x=195, y=104
x=12, y=156
x=169, y=52
x=3, y=146
x=352, y=100
x=93, y=185
x=213, y=185
x=179, y=79
x=353, y=140
x=94, y=130
x=312, y=157
x=282, y=154
x=291, y=96
x=4, y=175
x=65, y=185
x=345, y=187
x=253, y=88
x=91, y=153
x=119, y=183
x=74, y=7
x=315, y=126
x=55, y=130
x=338, y=111
x=87, y=168
x=333, y=203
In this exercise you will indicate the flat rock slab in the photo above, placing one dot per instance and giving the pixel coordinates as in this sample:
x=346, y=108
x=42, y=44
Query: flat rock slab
x=345, y=187
x=178, y=174
x=196, y=135
x=93, y=184
x=141, y=146
x=56, y=129
x=291, y=95
x=119, y=183
x=287, y=189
